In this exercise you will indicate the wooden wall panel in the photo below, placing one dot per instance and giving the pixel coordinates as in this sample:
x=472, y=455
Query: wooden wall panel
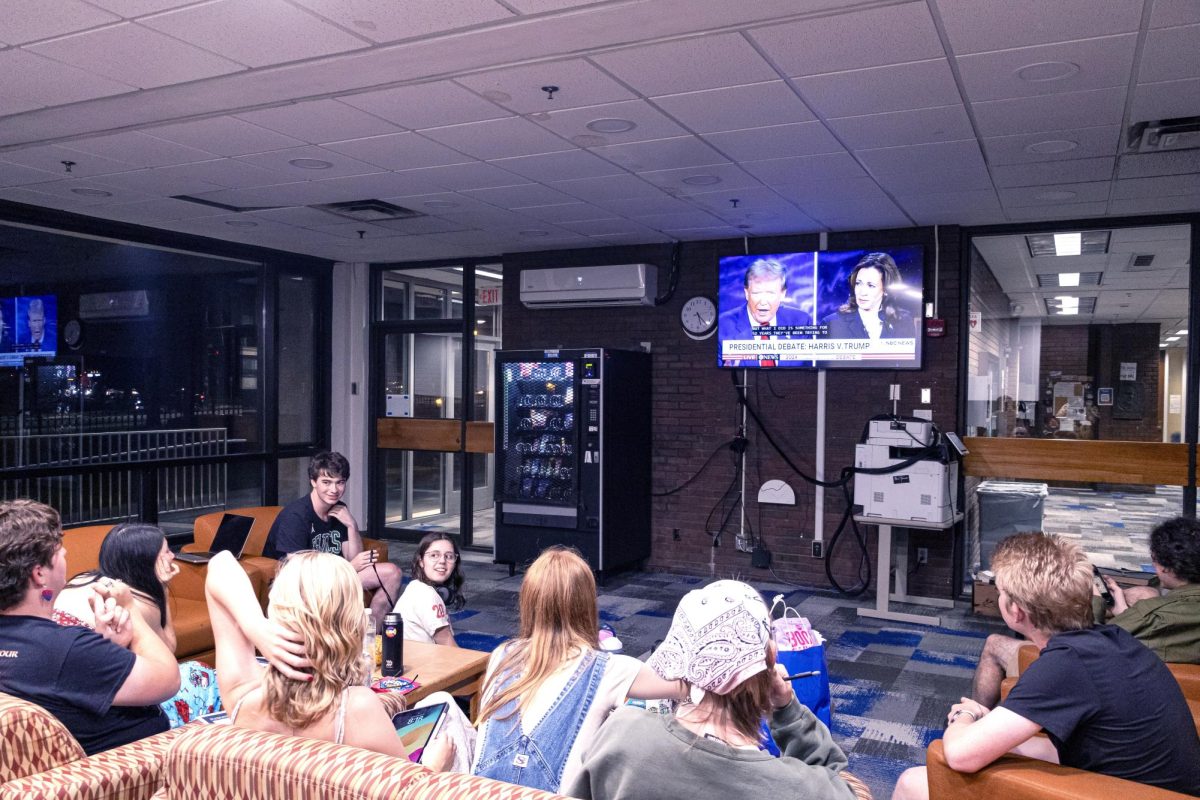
x=1142, y=463
x=439, y=435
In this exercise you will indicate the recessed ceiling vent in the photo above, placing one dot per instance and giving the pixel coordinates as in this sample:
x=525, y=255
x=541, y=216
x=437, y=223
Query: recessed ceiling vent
x=369, y=210
x=1155, y=136
x=1142, y=261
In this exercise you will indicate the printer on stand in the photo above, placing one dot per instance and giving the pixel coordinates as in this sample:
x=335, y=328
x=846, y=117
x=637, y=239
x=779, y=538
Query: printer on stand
x=906, y=470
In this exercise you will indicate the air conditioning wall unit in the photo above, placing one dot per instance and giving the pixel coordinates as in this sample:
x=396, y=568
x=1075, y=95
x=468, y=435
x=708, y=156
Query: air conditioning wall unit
x=577, y=287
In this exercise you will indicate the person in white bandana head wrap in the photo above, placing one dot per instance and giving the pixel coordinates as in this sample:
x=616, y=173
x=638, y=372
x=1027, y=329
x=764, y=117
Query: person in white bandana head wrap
x=711, y=749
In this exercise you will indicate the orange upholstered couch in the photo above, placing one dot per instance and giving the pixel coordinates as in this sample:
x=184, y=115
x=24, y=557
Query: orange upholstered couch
x=236, y=763
x=40, y=759
x=189, y=609
x=252, y=556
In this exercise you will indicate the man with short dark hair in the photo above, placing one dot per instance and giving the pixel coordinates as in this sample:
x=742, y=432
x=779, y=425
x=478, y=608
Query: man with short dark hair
x=1078, y=690
x=321, y=521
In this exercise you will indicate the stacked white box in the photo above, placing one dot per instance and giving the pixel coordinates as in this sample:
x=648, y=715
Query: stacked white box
x=925, y=490
x=901, y=433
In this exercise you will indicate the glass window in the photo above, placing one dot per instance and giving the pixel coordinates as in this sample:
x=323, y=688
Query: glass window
x=421, y=293
x=293, y=478
x=296, y=343
x=1081, y=343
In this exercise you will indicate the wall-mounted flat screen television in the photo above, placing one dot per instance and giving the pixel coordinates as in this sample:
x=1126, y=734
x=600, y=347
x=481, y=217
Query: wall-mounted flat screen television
x=858, y=309
x=28, y=328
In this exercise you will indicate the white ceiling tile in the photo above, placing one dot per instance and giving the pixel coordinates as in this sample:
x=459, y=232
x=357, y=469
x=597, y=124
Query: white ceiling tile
x=568, y=212
x=573, y=123
x=960, y=155
x=382, y=185
x=684, y=65
x=399, y=151
x=300, y=216
x=561, y=166
x=80, y=191
x=638, y=207
x=830, y=167
x=978, y=201
x=1048, y=68
x=1174, y=12
x=1171, y=54
x=1161, y=186
x=161, y=60
x=357, y=231
x=839, y=191
x=1063, y=211
x=138, y=8
x=712, y=110
x=851, y=216
x=838, y=42
x=632, y=237
x=580, y=83
x=516, y=197
x=920, y=84
x=18, y=175
x=931, y=181
x=257, y=33
x=319, y=121
x=226, y=136
x=29, y=20
x=689, y=218
x=473, y=175
x=139, y=150
x=777, y=141
x=1166, y=100
x=610, y=187
x=1095, y=191
x=223, y=172
x=975, y=26
x=676, y=152
x=51, y=157
x=437, y=203
x=1063, y=145
x=426, y=105
x=30, y=81
x=498, y=138
x=158, y=209
x=1155, y=205
x=737, y=203
x=695, y=180
x=939, y=124
x=606, y=227
x=1043, y=174
x=417, y=226
x=1050, y=113
x=340, y=165
x=1176, y=162
x=392, y=20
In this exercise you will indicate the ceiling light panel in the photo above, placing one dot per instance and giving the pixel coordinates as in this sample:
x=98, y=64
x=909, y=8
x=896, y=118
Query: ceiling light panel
x=1053, y=280
x=1046, y=244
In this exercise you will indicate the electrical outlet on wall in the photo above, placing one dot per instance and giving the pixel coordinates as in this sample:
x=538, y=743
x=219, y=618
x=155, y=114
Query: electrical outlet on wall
x=818, y=548
x=922, y=555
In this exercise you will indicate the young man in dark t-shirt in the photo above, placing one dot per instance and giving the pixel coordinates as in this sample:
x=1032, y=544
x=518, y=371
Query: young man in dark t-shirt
x=321, y=521
x=103, y=685
x=1106, y=702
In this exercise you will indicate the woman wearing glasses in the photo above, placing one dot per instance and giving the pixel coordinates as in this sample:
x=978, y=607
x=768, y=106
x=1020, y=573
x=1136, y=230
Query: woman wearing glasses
x=436, y=586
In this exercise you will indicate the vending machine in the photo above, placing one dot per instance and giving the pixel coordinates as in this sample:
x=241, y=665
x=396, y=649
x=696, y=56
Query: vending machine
x=573, y=455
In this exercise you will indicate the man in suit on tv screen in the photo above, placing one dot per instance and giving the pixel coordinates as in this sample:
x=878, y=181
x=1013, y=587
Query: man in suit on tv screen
x=765, y=314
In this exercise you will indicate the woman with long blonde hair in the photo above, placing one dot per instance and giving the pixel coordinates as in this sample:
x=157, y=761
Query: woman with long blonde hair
x=312, y=638
x=546, y=692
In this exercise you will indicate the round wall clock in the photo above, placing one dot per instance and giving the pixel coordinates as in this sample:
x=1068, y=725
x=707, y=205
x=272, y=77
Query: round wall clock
x=699, y=317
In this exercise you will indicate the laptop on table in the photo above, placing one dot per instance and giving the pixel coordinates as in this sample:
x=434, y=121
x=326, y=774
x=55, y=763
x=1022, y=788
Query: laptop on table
x=232, y=534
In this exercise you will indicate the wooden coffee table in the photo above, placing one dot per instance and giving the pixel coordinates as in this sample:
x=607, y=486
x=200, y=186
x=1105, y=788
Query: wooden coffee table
x=439, y=668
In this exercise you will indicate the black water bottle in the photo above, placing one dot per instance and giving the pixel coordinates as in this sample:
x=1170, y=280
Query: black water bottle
x=393, y=645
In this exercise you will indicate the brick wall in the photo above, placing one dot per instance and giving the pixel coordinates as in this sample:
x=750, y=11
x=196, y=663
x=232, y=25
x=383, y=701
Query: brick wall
x=696, y=412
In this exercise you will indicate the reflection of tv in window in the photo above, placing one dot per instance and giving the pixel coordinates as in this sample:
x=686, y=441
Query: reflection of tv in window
x=857, y=309
x=28, y=328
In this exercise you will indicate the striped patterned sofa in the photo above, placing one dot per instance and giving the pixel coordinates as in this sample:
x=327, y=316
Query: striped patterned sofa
x=40, y=760
x=240, y=764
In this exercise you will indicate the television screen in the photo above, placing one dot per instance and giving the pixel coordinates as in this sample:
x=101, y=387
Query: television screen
x=831, y=309
x=28, y=328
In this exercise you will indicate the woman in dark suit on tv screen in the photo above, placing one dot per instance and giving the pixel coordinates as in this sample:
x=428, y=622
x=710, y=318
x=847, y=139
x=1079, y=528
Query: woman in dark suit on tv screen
x=872, y=312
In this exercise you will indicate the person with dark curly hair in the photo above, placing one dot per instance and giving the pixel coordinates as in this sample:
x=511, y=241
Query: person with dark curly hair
x=1167, y=623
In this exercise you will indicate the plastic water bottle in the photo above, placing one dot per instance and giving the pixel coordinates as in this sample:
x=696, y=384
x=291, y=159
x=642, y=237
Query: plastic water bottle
x=368, y=652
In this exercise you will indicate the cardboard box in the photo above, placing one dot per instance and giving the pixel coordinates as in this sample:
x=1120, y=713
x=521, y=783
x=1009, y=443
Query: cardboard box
x=985, y=599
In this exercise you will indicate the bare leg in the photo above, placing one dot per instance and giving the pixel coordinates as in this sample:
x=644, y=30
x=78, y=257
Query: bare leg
x=912, y=785
x=389, y=578
x=1135, y=593
x=997, y=662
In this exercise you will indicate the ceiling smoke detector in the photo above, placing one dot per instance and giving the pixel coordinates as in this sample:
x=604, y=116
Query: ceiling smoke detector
x=368, y=210
x=1160, y=135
